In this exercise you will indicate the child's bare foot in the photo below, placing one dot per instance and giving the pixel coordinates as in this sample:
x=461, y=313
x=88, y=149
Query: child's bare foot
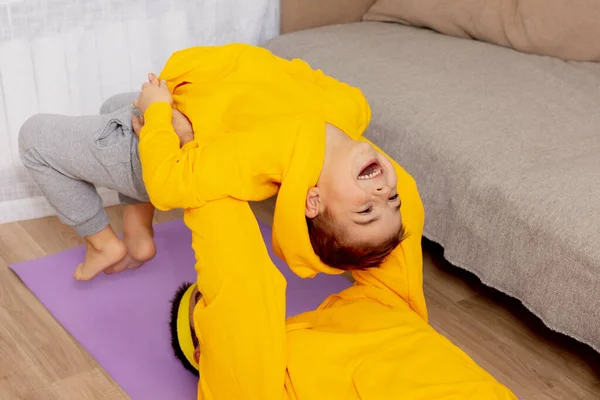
x=103, y=249
x=138, y=237
x=140, y=248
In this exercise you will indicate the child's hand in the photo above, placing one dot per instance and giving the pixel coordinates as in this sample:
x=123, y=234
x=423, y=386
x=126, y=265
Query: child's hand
x=153, y=92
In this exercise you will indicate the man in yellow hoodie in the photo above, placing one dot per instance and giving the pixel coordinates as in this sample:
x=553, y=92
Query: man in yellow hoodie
x=369, y=341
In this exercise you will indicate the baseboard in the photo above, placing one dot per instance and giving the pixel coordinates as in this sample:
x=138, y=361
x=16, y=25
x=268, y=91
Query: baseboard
x=38, y=207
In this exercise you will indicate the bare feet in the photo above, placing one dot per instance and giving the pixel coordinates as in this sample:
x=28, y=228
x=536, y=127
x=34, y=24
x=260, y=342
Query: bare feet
x=103, y=249
x=140, y=248
x=138, y=237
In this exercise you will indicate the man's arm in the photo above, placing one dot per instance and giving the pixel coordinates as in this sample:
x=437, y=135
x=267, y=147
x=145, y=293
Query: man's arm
x=166, y=167
x=240, y=321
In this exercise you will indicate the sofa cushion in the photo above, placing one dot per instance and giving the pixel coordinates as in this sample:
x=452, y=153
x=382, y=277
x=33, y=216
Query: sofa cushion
x=504, y=147
x=567, y=29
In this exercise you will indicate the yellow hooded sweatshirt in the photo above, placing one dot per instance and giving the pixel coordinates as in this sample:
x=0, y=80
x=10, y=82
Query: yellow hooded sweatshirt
x=259, y=126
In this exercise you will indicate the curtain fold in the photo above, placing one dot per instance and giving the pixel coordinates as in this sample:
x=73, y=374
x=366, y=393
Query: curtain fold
x=68, y=56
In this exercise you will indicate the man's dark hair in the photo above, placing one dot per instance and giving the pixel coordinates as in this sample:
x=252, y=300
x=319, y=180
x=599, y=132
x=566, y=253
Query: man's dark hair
x=328, y=243
x=175, y=302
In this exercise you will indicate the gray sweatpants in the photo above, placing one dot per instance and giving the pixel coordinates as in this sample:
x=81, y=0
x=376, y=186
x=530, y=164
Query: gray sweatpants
x=69, y=157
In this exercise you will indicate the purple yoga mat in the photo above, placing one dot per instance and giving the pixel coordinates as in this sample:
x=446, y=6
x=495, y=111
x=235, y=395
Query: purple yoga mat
x=123, y=320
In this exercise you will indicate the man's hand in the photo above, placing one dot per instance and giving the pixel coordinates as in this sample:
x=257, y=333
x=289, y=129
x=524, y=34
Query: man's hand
x=181, y=125
x=153, y=91
x=137, y=123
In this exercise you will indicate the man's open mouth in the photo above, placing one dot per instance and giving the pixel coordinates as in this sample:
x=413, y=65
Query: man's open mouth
x=370, y=171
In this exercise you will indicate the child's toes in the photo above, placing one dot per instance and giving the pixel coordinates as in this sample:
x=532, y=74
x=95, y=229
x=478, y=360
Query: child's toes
x=79, y=273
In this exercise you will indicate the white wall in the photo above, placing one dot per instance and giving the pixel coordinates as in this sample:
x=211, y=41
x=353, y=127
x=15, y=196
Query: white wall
x=68, y=56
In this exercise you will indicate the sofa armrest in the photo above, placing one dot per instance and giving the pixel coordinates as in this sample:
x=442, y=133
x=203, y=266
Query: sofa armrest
x=305, y=14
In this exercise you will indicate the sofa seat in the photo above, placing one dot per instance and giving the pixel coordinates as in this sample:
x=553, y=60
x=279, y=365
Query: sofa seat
x=505, y=148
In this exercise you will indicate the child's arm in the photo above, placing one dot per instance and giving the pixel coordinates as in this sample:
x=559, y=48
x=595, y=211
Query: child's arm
x=247, y=165
x=240, y=321
x=400, y=277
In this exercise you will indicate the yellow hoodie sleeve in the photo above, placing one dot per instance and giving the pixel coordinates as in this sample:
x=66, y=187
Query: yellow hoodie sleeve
x=162, y=160
x=240, y=321
x=245, y=164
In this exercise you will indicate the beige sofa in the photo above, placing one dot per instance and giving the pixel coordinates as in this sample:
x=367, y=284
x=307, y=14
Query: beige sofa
x=505, y=148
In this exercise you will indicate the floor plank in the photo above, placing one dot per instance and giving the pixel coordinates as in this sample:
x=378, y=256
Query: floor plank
x=500, y=334
x=89, y=385
x=40, y=360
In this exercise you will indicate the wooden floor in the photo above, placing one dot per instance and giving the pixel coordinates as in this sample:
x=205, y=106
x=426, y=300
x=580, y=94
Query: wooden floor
x=39, y=360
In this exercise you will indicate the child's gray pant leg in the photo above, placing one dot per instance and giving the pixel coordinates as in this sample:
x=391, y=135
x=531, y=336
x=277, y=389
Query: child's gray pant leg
x=69, y=156
x=120, y=102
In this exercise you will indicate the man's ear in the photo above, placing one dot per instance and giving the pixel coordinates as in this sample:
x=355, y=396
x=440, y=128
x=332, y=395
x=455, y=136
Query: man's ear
x=197, y=354
x=313, y=202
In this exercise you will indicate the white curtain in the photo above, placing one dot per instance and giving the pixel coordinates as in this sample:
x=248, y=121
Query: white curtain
x=68, y=56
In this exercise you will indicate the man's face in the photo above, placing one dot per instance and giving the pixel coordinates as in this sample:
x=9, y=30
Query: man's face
x=194, y=299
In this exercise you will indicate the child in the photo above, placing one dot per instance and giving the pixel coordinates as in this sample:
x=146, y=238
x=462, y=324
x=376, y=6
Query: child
x=250, y=110
x=353, y=211
x=280, y=132
x=68, y=156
